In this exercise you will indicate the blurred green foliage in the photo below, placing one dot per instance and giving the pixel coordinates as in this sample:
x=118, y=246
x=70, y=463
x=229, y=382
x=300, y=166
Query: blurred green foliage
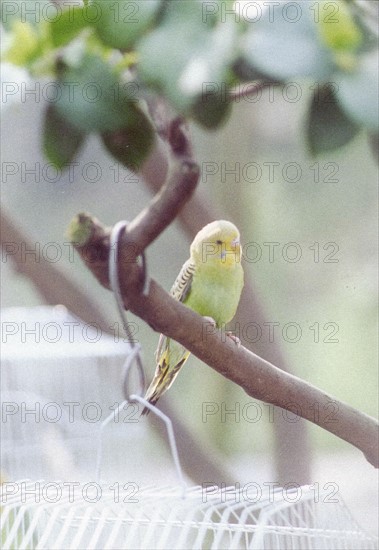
x=191, y=52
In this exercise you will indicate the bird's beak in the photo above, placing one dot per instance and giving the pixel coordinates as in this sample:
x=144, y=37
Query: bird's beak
x=235, y=243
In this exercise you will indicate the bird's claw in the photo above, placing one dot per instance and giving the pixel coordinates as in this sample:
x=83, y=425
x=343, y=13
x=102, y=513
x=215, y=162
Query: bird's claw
x=235, y=338
x=210, y=320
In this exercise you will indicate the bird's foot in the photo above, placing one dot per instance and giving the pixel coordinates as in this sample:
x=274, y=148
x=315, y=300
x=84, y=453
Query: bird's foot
x=210, y=320
x=235, y=338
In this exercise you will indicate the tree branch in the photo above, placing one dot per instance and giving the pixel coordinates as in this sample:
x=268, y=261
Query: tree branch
x=51, y=283
x=259, y=378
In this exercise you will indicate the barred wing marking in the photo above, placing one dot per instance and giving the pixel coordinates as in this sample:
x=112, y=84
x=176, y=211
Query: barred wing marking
x=182, y=284
x=179, y=291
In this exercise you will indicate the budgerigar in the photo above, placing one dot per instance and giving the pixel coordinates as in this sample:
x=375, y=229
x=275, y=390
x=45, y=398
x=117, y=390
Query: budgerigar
x=210, y=283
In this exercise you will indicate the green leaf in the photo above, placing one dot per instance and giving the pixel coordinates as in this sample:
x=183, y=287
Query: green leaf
x=202, y=56
x=358, y=91
x=338, y=31
x=25, y=44
x=245, y=72
x=190, y=11
x=92, y=97
x=132, y=144
x=33, y=12
x=328, y=126
x=66, y=27
x=80, y=229
x=282, y=42
x=196, y=12
x=122, y=22
x=211, y=110
x=61, y=141
x=161, y=65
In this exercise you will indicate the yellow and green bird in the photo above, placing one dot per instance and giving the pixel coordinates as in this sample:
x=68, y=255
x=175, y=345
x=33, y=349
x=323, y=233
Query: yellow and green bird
x=210, y=283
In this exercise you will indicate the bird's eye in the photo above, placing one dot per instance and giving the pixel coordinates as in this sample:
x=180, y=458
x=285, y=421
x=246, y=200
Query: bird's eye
x=218, y=242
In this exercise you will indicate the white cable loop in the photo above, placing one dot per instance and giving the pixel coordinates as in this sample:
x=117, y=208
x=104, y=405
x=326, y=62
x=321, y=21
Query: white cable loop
x=115, y=287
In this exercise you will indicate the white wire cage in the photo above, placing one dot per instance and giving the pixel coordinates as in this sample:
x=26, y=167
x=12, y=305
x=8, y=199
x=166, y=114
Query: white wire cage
x=46, y=514
x=160, y=518
x=57, y=375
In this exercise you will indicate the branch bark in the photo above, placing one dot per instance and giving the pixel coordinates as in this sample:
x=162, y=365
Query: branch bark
x=259, y=378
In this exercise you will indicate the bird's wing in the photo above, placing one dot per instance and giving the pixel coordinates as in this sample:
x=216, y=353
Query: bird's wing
x=183, y=281
x=179, y=291
x=170, y=355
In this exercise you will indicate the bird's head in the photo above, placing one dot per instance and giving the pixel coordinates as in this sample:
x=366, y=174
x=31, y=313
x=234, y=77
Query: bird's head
x=217, y=243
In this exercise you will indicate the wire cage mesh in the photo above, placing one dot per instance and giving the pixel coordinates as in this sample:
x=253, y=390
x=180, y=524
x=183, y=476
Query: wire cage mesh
x=160, y=518
x=53, y=373
x=37, y=513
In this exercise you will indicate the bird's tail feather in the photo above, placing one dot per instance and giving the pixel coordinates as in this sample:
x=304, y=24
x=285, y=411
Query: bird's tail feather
x=163, y=380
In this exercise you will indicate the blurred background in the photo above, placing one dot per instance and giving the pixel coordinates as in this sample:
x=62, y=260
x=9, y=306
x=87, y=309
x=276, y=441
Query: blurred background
x=324, y=285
